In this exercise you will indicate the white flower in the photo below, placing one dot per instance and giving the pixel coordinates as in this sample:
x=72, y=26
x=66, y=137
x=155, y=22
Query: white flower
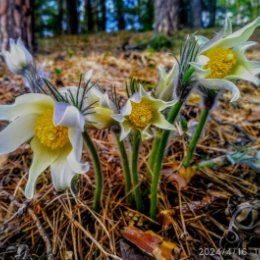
x=55, y=131
x=222, y=59
x=102, y=109
x=18, y=58
x=141, y=112
x=167, y=83
x=97, y=105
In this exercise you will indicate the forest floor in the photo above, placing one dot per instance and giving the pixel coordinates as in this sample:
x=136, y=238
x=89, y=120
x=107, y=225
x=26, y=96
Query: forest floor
x=194, y=221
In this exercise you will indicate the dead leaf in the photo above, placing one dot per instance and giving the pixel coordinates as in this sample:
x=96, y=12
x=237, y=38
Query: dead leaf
x=174, y=178
x=151, y=243
x=254, y=116
x=144, y=241
x=3, y=159
x=187, y=173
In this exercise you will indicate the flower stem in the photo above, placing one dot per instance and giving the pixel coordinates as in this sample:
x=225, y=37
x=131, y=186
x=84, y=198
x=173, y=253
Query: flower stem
x=98, y=171
x=195, y=137
x=135, y=181
x=125, y=164
x=159, y=158
x=152, y=156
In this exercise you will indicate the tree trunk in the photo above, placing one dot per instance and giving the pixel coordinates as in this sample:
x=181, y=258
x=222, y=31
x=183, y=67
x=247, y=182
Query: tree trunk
x=196, y=13
x=15, y=22
x=89, y=14
x=103, y=15
x=185, y=19
x=150, y=9
x=60, y=16
x=212, y=10
x=72, y=16
x=120, y=14
x=166, y=16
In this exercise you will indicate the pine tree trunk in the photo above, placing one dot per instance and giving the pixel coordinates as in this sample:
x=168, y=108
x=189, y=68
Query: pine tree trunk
x=89, y=14
x=60, y=16
x=16, y=21
x=120, y=14
x=212, y=10
x=166, y=16
x=72, y=16
x=196, y=13
x=103, y=15
x=185, y=19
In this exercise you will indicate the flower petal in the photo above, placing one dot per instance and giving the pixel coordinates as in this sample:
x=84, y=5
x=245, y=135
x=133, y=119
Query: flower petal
x=226, y=29
x=239, y=36
x=158, y=104
x=160, y=122
x=118, y=117
x=88, y=75
x=202, y=60
x=125, y=130
x=137, y=97
x=254, y=67
x=8, y=60
x=101, y=118
x=105, y=102
x=246, y=45
x=68, y=116
x=17, y=133
x=242, y=73
x=76, y=140
x=29, y=58
x=61, y=172
x=167, y=83
x=227, y=26
x=31, y=103
x=219, y=84
x=147, y=133
x=42, y=158
x=127, y=108
x=201, y=40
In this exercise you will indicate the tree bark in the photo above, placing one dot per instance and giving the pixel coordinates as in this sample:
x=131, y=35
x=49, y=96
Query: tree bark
x=60, y=16
x=89, y=14
x=15, y=22
x=72, y=16
x=196, y=13
x=185, y=18
x=103, y=15
x=120, y=14
x=212, y=10
x=166, y=16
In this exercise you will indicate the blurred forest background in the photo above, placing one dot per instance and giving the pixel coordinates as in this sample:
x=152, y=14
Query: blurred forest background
x=31, y=19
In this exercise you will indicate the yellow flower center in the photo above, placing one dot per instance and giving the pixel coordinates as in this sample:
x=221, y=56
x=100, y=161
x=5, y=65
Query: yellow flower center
x=142, y=114
x=221, y=62
x=54, y=137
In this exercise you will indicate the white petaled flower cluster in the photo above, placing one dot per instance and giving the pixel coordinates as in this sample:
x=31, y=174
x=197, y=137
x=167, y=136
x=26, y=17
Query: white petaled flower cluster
x=222, y=59
x=55, y=126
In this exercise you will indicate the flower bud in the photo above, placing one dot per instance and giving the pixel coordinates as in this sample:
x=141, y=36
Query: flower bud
x=18, y=58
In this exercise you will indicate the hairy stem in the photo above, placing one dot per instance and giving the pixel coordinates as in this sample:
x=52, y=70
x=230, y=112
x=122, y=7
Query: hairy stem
x=195, y=138
x=152, y=156
x=98, y=171
x=125, y=164
x=135, y=181
x=159, y=158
